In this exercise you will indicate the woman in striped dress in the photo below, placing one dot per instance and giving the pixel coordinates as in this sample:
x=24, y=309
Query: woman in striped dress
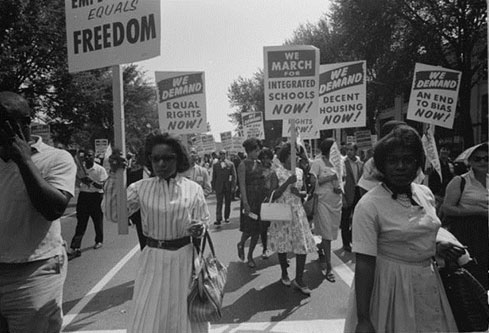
x=173, y=209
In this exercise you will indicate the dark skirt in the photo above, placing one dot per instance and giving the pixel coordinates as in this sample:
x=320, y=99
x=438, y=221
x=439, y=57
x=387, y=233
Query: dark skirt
x=472, y=231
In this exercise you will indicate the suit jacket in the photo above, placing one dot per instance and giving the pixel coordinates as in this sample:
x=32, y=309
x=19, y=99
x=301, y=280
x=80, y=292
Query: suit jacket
x=223, y=179
x=350, y=195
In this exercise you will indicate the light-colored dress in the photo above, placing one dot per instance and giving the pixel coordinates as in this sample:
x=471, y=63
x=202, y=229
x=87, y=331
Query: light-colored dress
x=407, y=294
x=163, y=276
x=327, y=217
x=295, y=235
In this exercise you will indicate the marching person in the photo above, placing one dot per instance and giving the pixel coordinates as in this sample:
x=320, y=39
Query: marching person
x=173, y=209
x=224, y=184
x=466, y=205
x=252, y=187
x=329, y=202
x=397, y=287
x=353, y=171
x=37, y=181
x=294, y=235
x=198, y=173
x=88, y=204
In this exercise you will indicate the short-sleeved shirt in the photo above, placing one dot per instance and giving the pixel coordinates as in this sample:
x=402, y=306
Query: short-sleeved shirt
x=25, y=235
x=98, y=174
x=382, y=226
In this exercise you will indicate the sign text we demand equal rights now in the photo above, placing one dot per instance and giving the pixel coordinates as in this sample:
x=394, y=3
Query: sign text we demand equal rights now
x=291, y=82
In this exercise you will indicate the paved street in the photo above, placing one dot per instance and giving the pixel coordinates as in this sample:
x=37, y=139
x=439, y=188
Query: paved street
x=99, y=285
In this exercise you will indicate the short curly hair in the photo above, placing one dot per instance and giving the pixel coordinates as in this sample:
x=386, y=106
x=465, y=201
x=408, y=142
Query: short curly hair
x=154, y=139
x=403, y=136
x=251, y=144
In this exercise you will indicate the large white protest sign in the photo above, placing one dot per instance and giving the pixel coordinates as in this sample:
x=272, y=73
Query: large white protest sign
x=227, y=140
x=304, y=127
x=104, y=33
x=253, y=125
x=291, y=81
x=208, y=143
x=434, y=95
x=342, y=95
x=181, y=102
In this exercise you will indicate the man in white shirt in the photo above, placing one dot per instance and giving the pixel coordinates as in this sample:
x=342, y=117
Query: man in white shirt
x=198, y=173
x=88, y=204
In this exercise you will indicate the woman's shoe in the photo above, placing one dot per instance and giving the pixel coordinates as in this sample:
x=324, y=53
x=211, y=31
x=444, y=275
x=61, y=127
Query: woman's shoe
x=251, y=263
x=328, y=275
x=265, y=254
x=303, y=289
x=241, y=254
x=285, y=281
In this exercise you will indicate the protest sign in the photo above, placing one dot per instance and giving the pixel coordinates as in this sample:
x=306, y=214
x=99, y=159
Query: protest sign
x=181, y=102
x=431, y=152
x=350, y=139
x=291, y=81
x=42, y=130
x=342, y=95
x=101, y=34
x=363, y=139
x=304, y=127
x=227, y=140
x=197, y=144
x=434, y=95
x=237, y=144
x=101, y=146
x=253, y=125
x=208, y=143
x=336, y=159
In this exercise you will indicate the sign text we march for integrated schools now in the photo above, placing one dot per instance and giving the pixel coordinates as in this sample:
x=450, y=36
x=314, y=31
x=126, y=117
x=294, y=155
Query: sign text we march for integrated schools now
x=291, y=81
x=434, y=95
x=342, y=95
x=101, y=33
x=181, y=102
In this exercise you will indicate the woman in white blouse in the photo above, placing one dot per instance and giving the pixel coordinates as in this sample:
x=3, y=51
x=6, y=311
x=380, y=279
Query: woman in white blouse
x=173, y=209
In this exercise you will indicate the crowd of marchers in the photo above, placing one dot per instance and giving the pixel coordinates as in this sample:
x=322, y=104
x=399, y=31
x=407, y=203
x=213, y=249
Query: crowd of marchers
x=401, y=219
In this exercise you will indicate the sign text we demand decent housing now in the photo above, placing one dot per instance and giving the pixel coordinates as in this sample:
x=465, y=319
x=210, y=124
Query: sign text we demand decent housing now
x=181, y=102
x=342, y=95
x=291, y=81
x=102, y=33
x=434, y=95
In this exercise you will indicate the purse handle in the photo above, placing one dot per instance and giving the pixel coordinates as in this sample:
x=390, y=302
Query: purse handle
x=271, y=196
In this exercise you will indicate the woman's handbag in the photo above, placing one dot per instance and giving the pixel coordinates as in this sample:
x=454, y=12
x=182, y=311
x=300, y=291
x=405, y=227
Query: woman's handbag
x=207, y=288
x=467, y=298
x=273, y=211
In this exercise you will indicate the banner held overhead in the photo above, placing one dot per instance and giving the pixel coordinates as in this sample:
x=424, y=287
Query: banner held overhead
x=101, y=34
x=342, y=95
x=291, y=81
x=181, y=102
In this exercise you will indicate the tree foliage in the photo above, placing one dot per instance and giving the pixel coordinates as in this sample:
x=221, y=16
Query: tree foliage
x=247, y=95
x=33, y=62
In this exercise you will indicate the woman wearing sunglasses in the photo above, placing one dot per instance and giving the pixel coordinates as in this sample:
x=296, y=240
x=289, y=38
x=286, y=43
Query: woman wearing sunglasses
x=173, y=209
x=465, y=206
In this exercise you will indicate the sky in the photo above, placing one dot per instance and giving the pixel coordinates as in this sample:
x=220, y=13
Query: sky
x=225, y=39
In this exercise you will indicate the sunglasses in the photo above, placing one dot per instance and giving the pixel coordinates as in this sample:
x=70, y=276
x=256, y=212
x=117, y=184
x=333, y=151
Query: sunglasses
x=480, y=158
x=165, y=158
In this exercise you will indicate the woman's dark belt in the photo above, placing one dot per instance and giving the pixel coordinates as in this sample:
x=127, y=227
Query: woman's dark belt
x=172, y=245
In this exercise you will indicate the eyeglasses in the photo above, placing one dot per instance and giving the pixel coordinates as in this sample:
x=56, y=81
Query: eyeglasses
x=408, y=161
x=480, y=158
x=165, y=158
